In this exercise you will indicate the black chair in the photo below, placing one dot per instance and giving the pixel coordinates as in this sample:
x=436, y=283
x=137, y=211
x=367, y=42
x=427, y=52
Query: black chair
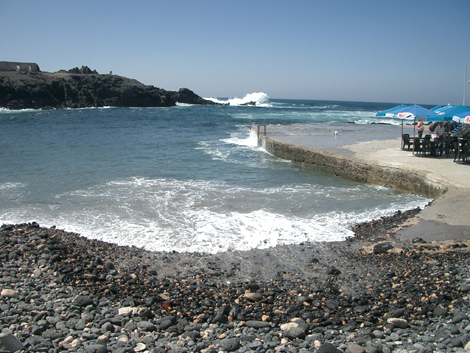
x=449, y=144
x=465, y=152
x=416, y=145
x=458, y=152
x=406, y=141
x=426, y=148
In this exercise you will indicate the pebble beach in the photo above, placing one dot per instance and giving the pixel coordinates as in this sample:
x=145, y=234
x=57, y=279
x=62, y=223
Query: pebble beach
x=378, y=291
x=372, y=293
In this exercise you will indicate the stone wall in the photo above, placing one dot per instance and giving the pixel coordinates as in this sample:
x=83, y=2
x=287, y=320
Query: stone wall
x=352, y=168
x=15, y=66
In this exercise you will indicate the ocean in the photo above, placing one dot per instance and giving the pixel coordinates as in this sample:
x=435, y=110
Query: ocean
x=186, y=178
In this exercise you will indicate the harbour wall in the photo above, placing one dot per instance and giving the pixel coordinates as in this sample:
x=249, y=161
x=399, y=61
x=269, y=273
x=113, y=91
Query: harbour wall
x=352, y=168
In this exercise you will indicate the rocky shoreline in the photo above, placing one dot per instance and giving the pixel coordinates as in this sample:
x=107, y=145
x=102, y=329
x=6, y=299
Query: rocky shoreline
x=371, y=293
x=84, y=88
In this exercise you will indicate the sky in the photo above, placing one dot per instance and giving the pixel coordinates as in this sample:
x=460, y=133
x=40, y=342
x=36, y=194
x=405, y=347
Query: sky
x=401, y=51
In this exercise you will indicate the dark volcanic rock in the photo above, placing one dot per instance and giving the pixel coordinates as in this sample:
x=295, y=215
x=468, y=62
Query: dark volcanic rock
x=83, y=88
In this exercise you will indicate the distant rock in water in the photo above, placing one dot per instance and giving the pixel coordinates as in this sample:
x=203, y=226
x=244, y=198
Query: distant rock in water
x=23, y=88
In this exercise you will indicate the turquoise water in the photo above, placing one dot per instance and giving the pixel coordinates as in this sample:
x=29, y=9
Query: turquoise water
x=186, y=178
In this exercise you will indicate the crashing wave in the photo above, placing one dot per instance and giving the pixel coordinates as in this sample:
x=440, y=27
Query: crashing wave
x=253, y=99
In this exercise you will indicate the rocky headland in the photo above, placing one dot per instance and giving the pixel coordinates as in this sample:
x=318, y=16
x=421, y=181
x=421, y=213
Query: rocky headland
x=27, y=88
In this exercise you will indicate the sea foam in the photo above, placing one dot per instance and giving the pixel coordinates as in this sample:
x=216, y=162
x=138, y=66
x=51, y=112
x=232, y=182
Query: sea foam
x=255, y=98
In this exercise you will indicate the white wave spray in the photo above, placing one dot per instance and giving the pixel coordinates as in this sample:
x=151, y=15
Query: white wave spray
x=252, y=99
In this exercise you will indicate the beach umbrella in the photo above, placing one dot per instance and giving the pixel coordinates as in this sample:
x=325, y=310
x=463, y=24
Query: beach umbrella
x=391, y=112
x=448, y=114
x=411, y=113
x=462, y=118
x=438, y=109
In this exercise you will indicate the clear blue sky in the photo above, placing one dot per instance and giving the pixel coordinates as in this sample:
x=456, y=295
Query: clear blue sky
x=359, y=50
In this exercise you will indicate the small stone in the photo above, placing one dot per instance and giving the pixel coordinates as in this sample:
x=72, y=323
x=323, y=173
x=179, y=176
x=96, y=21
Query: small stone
x=465, y=287
x=126, y=310
x=107, y=327
x=123, y=339
x=355, y=348
x=328, y=348
x=296, y=332
x=254, y=297
x=9, y=293
x=90, y=277
x=10, y=343
x=440, y=311
x=382, y=248
x=84, y=300
x=378, y=334
x=230, y=344
x=397, y=322
x=289, y=326
x=459, y=318
x=96, y=348
x=257, y=324
x=146, y=326
x=76, y=343
x=140, y=347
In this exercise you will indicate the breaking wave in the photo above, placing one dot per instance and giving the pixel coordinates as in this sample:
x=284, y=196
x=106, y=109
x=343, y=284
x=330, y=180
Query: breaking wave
x=252, y=99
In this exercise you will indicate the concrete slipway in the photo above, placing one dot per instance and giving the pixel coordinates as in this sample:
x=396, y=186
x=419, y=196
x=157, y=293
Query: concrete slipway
x=373, y=154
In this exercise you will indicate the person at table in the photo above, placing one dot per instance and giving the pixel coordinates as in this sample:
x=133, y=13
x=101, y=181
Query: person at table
x=420, y=128
x=439, y=131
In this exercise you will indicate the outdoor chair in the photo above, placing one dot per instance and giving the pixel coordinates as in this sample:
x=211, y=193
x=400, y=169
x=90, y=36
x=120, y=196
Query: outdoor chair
x=458, y=153
x=465, y=152
x=406, y=141
x=427, y=148
x=416, y=145
x=449, y=144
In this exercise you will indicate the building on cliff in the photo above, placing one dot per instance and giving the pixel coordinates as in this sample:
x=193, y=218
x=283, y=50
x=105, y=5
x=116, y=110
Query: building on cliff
x=21, y=67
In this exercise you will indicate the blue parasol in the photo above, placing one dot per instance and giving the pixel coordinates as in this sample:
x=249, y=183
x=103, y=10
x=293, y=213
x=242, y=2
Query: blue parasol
x=448, y=114
x=391, y=112
x=413, y=111
x=463, y=118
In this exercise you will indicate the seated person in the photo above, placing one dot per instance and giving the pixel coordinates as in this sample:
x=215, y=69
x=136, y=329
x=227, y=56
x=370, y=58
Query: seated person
x=439, y=131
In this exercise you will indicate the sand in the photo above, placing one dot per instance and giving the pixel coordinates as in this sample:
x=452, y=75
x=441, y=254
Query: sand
x=448, y=216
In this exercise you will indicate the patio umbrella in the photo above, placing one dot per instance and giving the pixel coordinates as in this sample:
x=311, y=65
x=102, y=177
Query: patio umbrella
x=391, y=112
x=448, y=114
x=412, y=112
x=462, y=118
x=436, y=108
x=441, y=108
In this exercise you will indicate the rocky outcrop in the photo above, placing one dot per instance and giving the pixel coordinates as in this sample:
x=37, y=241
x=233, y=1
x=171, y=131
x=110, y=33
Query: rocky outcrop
x=84, y=88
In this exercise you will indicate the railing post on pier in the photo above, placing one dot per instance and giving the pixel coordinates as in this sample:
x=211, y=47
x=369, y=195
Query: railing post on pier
x=259, y=133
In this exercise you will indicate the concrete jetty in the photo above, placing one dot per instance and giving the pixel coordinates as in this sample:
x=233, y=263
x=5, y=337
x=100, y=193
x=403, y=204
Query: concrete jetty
x=373, y=154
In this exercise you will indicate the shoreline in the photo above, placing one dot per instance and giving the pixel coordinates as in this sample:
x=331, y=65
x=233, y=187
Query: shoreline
x=376, y=292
